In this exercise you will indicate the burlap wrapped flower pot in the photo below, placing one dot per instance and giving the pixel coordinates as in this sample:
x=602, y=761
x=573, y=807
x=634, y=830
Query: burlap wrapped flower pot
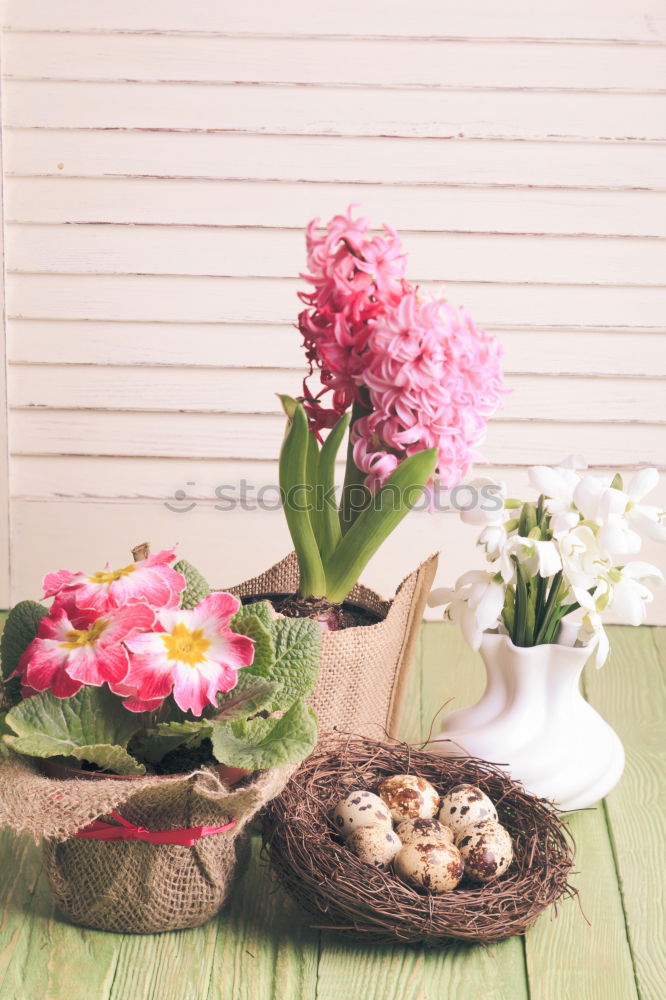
x=132, y=885
x=364, y=669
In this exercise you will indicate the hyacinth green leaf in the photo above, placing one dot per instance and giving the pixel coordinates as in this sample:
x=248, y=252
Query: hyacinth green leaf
x=262, y=636
x=20, y=629
x=389, y=506
x=330, y=530
x=354, y=485
x=263, y=743
x=92, y=725
x=312, y=481
x=296, y=499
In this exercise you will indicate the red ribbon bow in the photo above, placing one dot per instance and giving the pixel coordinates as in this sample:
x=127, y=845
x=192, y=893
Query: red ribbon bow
x=122, y=829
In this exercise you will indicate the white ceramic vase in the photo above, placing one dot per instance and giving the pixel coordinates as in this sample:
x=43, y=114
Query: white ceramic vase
x=533, y=720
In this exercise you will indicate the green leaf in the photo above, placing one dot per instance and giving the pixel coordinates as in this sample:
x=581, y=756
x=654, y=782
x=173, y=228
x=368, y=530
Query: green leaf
x=20, y=629
x=518, y=637
x=167, y=736
x=528, y=520
x=258, y=609
x=373, y=526
x=330, y=530
x=92, y=725
x=256, y=695
x=264, y=647
x=296, y=499
x=296, y=667
x=550, y=608
x=197, y=588
x=617, y=483
x=111, y=758
x=355, y=494
x=509, y=611
x=264, y=743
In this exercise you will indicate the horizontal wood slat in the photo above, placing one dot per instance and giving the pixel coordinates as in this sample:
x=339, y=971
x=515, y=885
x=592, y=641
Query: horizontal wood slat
x=532, y=350
x=92, y=478
x=268, y=253
x=291, y=206
x=253, y=391
x=274, y=300
x=568, y=19
x=332, y=111
x=399, y=62
x=250, y=436
x=324, y=159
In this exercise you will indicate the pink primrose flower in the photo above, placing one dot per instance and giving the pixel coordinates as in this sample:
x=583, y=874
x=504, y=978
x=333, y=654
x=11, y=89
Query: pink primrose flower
x=150, y=580
x=193, y=654
x=67, y=654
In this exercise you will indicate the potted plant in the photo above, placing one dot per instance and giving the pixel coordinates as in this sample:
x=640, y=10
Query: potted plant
x=559, y=567
x=158, y=696
x=411, y=382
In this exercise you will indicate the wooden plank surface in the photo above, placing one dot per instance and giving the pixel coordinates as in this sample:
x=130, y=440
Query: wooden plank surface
x=262, y=945
x=236, y=390
x=318, y=110
x=597, y=19
x=280, y=253
x=318, y=160
x=527, y=350
x=632, y=700
x=419, y=63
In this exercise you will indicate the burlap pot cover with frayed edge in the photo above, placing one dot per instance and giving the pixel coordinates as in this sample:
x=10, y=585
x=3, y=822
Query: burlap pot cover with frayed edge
x=134, y=886
x=364, y=670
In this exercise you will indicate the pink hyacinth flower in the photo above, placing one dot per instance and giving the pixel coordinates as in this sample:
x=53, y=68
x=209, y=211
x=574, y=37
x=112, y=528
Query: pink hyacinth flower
x=89, y=650
x=194, y=654
x=150, y=580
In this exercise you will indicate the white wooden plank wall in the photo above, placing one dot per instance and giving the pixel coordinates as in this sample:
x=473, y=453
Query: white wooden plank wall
x=161, y=160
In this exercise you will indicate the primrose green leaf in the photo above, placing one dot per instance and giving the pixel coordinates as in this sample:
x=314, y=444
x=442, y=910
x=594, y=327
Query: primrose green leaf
x=167, y=736
x=197, y=588
x=258, y=609
x=19, y=631
x=254, y=695
x=264, y=647
x=264, y=743
x=111, y=758
x=297, y=652
x=92, y=725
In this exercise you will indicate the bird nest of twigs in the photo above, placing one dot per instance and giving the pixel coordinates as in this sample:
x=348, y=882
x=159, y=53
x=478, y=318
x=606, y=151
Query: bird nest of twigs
x=372, y=904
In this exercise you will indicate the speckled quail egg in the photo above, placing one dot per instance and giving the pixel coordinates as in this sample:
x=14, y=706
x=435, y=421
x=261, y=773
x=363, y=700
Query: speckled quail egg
x=360, y=808
x=474, y=827
x=465, y=804
x=409, y=797
x=429, y=864
x=413, y=829
x=376, y=844
x=486, y=853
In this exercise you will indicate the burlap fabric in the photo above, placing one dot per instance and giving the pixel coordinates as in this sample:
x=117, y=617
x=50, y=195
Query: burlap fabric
x=134, y=886
x=364, y=670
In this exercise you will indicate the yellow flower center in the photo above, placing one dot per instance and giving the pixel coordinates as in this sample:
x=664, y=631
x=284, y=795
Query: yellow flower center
x=77, y=638
x=188, y=647
x=116, y=574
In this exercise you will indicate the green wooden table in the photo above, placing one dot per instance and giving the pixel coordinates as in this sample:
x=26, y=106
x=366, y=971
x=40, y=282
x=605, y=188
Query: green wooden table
x=263, y=947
